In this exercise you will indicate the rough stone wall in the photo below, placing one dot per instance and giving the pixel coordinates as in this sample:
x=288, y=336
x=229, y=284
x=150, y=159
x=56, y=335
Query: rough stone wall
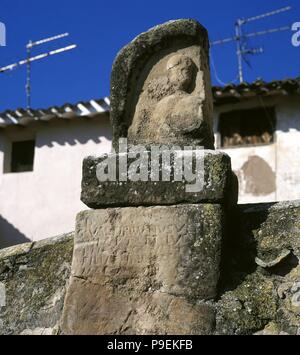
x=259, y=292
x=34, y=276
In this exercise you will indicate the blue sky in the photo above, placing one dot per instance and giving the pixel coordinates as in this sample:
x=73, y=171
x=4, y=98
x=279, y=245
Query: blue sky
x=102, y=28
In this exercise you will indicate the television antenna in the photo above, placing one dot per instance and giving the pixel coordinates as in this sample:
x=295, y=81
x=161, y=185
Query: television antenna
x=29, y=59
x=241, y=38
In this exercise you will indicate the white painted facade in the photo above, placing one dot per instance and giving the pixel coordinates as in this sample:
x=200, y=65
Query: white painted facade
x=282, y=156
x=43, y=203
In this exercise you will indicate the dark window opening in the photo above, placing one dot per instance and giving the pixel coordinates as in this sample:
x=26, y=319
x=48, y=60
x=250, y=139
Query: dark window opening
x=247, y=127
x=22, y=155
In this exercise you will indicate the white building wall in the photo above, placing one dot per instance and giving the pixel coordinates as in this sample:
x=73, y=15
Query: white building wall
x=288, y=150
x=44, y=203
x=250, y=178
x=260, y=168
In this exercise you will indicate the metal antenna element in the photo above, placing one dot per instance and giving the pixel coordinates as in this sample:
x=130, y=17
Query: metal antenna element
x=42, y=41
x=272, y=13
x=241, y=38
x=29, y=59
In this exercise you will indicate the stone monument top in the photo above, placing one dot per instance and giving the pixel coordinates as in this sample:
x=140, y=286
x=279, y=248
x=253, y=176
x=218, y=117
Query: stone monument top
x=160, y=87
x=161, y=102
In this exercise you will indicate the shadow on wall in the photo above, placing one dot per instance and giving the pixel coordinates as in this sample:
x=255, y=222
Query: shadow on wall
x=61, y=132
x=73, y=133
x=9, y=235
x=240, y=247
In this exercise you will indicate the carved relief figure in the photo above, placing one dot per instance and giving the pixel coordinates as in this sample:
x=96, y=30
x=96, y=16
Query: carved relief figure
x=168, y=107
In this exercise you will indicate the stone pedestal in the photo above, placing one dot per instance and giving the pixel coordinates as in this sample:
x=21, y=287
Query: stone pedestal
x=145, y=270
x=148, y=269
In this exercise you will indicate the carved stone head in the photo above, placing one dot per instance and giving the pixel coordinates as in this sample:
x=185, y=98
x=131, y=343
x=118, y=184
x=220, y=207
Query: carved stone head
x=181, y=72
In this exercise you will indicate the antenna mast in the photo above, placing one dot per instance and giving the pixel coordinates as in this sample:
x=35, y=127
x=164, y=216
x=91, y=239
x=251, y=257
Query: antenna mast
x=28, y=75
x=29, y=59
x=241, y=38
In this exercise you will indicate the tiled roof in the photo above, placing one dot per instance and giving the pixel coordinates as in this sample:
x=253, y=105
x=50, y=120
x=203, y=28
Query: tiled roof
x=222, y=95
x=234, y=93
x=81, y=109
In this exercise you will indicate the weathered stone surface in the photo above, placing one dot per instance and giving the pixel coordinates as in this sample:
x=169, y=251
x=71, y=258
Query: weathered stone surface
x=275, y=228
x=263, y=303
x=145, y=270
x=219, y=185
x=248, y=307
x=35, y=277
x=160, y=87
x=261, y=271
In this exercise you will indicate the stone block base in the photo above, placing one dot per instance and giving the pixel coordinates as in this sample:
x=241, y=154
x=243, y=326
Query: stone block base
x=219, y=184
x=144, y=270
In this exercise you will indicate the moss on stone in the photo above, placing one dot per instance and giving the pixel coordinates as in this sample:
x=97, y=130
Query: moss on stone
x=248, y=308
x=35, y=277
